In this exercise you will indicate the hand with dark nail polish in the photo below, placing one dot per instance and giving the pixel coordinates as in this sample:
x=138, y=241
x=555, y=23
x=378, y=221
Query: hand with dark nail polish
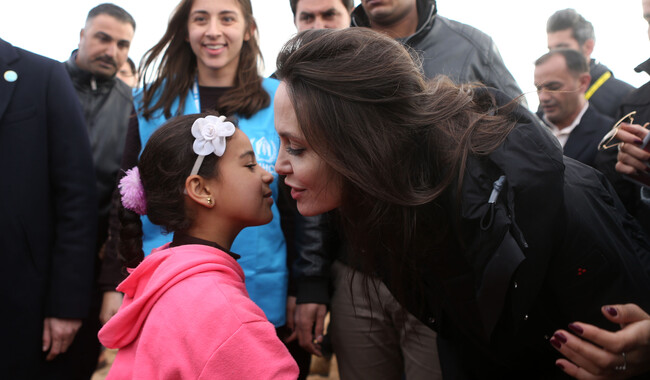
x=595, y=353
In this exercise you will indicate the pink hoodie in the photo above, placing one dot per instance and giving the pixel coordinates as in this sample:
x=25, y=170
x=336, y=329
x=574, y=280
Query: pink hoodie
x=186, y=315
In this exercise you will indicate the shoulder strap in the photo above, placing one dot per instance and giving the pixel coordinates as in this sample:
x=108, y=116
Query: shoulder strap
x=594, y=87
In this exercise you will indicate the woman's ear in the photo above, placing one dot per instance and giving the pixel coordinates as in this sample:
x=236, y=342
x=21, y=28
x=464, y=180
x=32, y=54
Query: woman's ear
x=250, y=32
x=197, y=190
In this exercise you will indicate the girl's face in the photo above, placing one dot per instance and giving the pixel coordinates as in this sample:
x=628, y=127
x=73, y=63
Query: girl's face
x=216, y=32
x=243, y=192
x=314, y=185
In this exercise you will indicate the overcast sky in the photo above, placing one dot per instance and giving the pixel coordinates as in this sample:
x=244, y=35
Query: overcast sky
x=51, y=28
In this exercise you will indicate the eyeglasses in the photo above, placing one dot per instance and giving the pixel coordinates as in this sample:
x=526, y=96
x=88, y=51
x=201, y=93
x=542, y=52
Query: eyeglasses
x=608, y=140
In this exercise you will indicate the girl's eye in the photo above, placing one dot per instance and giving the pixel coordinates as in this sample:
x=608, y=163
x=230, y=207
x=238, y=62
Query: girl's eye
x=294, y=151
x=251, y=166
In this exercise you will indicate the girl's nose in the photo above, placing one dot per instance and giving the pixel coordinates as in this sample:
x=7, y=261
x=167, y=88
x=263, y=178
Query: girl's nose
x=266, y=176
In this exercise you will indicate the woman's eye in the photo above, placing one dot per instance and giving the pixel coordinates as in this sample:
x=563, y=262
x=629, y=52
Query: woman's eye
x=251, y=166
x=295, y=151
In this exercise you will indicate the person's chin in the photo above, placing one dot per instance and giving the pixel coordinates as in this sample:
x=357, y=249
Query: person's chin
x=104, y=74
x=305, y=209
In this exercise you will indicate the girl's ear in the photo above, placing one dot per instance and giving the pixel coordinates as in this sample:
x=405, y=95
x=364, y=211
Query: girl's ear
x=197, y=190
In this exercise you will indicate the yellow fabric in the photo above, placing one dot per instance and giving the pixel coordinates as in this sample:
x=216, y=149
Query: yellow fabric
x=594, y=87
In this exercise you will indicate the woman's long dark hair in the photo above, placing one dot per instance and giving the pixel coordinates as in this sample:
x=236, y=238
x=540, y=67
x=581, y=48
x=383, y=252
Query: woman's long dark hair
x=174, y=68
x=399, y=143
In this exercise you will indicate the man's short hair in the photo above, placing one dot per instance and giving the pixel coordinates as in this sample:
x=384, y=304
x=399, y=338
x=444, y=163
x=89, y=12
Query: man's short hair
x=112, y=10
x=581, y=29
x=575, y=61
x=349, y=5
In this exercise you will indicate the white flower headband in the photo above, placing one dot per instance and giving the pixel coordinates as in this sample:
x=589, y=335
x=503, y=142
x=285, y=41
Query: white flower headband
x=210, y=133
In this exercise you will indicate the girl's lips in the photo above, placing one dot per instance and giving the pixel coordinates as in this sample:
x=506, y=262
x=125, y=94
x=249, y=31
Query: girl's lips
x=269, y=197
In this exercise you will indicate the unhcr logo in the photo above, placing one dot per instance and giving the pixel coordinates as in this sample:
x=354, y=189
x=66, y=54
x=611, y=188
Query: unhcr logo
x=266, y=152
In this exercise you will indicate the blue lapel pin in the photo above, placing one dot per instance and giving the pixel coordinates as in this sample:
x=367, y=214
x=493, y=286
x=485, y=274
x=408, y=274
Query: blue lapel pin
x=10, y=76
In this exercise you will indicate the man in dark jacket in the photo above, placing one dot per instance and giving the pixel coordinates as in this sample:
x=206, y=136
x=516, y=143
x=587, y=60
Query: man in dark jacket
x=461, y=52
x=47, y=216
x=561, y=79
x=568, y=29
x=107, y=103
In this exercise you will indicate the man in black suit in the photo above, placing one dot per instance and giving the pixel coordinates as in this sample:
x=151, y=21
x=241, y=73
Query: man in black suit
x=561, y=78
x=48, y=214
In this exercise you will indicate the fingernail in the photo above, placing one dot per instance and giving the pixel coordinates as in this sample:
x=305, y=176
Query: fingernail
x=576, y=329
x=638, y=141
x=611, y=311
x=560, y=337
x=560, y=365
x=555, y=343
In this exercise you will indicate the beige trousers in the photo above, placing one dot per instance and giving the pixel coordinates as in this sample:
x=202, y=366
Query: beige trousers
x=376, y=338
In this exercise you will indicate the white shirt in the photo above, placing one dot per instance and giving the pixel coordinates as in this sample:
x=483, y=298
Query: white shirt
x=562, y=135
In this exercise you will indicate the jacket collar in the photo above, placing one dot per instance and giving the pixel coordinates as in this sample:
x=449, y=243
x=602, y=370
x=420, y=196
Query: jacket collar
x=645, y=66
x=427, y=11
x=83, y=77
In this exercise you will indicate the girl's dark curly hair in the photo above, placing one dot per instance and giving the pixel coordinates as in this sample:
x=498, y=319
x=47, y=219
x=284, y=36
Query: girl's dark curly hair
x=164, y=165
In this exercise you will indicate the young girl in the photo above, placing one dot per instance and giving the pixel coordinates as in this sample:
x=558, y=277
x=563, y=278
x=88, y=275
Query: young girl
x=208, y=61
x=186, y=313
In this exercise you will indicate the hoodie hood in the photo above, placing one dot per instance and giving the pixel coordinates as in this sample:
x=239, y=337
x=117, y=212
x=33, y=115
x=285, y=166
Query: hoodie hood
x=643, y=67
x=160, y=271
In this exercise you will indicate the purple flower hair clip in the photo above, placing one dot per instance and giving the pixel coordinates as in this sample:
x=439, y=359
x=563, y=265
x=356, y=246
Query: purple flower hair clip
x=132, y=192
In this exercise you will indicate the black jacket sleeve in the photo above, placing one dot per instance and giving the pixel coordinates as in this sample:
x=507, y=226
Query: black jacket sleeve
x=310, y=250
x=112, y=270
x=74, y=201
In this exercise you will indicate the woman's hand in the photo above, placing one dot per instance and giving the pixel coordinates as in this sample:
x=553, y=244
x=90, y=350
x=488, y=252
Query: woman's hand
x=310, y=326
x=111, y=303
x=594, y=353
x=631, y=158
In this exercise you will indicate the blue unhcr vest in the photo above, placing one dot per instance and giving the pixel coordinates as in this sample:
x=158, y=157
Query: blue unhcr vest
x=262, y=248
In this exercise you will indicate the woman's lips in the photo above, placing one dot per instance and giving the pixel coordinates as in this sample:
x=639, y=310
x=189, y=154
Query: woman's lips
x=296, y=193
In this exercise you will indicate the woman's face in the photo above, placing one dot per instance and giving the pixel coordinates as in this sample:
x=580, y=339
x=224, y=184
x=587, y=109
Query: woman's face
x=216, y=32
x=314, y=185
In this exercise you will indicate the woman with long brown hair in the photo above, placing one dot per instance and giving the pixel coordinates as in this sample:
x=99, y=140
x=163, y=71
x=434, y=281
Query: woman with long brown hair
x=456, y=198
